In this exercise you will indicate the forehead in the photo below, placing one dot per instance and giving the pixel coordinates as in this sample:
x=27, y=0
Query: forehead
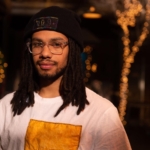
x=47, y=34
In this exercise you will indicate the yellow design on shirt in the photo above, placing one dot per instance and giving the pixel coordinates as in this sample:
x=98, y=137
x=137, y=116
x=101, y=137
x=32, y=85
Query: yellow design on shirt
x=52, y=136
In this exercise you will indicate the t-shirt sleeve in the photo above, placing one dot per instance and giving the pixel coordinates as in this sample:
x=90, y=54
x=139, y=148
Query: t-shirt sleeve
x=1, y=121
x=111, y=134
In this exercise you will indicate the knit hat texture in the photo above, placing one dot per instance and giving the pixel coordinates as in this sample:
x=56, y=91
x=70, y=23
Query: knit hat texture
x=56, y=19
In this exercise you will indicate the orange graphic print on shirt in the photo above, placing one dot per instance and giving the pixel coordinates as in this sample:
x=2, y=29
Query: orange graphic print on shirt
x=52, y=136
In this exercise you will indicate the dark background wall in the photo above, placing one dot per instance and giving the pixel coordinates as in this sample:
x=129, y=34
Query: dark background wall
x=104, y=36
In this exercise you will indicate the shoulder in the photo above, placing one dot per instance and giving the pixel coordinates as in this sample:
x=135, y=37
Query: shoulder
x=5, y=100
x=100, y=105
x=95, y=98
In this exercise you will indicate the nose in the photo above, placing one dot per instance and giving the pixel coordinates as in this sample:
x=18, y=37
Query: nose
x=46, y=52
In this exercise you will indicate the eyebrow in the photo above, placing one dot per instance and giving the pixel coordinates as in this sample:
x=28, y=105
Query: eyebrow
x=52, y=39
x=36, y=39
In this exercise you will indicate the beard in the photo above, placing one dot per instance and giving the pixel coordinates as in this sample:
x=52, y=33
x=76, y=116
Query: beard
x=52, y=77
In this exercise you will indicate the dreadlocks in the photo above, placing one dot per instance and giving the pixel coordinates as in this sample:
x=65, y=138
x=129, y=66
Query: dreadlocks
x=72, y=88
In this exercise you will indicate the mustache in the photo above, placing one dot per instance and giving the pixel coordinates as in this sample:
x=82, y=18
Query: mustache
x=46, y=60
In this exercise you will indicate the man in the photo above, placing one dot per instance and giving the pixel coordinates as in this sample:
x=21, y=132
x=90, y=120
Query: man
x=52, y=109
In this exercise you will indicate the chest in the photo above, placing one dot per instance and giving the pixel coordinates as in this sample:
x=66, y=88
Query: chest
x=37, y=127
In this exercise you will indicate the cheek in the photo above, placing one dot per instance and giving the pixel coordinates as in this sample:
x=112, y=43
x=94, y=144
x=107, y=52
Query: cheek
x=64, y=59
x=34, y=58
x=62, y=62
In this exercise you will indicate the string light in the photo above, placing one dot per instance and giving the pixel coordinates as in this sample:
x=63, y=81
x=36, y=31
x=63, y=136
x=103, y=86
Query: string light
x=125, y=19
x=89, y=67
x=3, y=65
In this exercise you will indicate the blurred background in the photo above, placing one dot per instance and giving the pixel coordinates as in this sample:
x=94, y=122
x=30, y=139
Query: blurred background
x=116, y=56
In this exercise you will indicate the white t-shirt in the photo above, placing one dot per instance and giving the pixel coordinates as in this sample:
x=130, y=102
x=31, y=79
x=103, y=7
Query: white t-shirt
x=98, y=126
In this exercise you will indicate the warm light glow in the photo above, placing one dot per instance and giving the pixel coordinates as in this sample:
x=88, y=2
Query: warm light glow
x=2, y=67
x=94, y=68
x=88, y=74
x=89, y=67
x=1, y=80
x=125, y=19
x=5, y=65
x=91, y=14
x=92, y=9
x=1, y=71
x=87, y=62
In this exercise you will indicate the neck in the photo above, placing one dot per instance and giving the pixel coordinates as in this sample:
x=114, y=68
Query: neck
x=49, y=89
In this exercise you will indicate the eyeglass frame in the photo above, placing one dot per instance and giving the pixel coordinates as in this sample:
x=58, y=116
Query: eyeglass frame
x=28, y=44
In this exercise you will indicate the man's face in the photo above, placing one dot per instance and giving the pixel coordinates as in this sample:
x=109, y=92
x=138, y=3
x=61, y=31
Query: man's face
x=48, y=64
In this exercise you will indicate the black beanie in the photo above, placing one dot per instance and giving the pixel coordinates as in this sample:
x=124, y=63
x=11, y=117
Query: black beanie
x=57, y=19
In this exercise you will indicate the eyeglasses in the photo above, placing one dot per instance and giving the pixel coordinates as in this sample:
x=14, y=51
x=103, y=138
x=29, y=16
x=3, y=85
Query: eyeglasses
x=55, y=47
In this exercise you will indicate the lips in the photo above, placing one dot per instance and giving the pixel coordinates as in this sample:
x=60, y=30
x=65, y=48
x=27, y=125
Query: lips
x=46, y=65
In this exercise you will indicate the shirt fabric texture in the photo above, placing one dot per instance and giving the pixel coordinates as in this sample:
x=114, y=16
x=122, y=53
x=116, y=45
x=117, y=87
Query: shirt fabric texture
x=97, y=127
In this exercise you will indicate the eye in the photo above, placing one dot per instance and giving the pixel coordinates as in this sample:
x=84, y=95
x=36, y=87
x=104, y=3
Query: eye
x=37, y=44
x=56, y=44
